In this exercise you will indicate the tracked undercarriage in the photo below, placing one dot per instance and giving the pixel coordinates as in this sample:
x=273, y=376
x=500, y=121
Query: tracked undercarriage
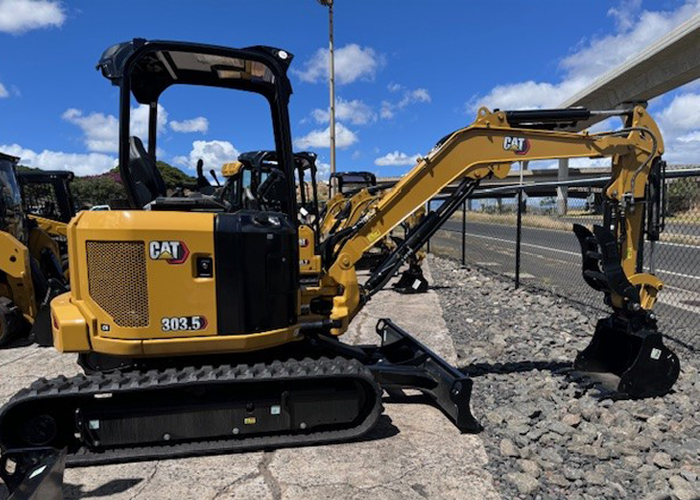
x=126, y=416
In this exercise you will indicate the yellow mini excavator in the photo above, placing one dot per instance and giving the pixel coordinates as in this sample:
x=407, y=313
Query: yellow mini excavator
x=188, y=318
x=356, y=194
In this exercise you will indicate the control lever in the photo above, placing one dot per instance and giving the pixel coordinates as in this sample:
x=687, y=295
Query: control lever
x=216, y=179
x=202, y=181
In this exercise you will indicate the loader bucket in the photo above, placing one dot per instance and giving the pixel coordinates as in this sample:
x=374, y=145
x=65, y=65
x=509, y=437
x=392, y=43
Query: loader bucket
x=646, y=367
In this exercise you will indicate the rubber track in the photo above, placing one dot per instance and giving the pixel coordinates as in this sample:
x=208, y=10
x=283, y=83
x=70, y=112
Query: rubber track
x=134, y=381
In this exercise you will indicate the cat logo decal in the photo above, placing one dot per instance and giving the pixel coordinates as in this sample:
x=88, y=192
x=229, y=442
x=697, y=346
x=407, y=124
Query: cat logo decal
x=173, y=252
x=519, y=145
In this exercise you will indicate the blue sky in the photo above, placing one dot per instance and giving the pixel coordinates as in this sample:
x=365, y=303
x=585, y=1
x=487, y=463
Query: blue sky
x=408, y=73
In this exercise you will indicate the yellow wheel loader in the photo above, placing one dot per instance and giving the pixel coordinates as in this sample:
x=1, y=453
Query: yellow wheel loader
x=30, y=273
x=191, y=323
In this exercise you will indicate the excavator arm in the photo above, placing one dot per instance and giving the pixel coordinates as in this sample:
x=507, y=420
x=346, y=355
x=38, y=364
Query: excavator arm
x=488, y=148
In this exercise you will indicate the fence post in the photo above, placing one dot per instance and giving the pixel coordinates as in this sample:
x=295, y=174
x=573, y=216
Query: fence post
x=518, y=237
x=464, y=232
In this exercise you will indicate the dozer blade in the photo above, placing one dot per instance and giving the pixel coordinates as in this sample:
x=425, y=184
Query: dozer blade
x=637, y=355
x=36, y=474
x=402, y=362
x=627, y=343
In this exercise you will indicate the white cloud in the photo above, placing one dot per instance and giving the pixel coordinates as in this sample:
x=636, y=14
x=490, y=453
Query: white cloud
x=323, y=170
x=682, y=114
x=3, y=91
x=355, y=112
x=680, y=126
x=388, y=108
x=199, y=124
x=624, y=13
x=213, y=153
x=19, y=16
x=352, y=63
x=344, y=137
x=101, y=132
x=396, y=159
x=691, y=137
x=81, y=164
x=528, y=94
x=413, y=96
x=591, y=60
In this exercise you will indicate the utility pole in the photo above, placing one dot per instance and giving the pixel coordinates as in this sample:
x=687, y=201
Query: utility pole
x=331, y=74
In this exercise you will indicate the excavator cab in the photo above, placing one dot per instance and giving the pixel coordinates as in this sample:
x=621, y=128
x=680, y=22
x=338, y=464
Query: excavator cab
x=255, y=181
x=49, y=204
x=145, y=70
x=47, y=194
x=350, y=182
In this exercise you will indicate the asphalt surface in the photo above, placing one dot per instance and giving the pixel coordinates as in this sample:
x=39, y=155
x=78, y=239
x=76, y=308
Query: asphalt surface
x=552, y=259
x=414, y=452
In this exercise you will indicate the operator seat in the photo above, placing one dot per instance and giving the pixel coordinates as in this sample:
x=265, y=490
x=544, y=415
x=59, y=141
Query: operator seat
x=146, y=182
x=148, y=190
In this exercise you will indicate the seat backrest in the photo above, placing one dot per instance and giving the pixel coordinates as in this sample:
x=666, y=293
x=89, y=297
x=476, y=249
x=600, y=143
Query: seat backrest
x=146, y=182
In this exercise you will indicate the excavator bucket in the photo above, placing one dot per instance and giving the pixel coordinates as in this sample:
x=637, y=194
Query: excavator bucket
x=638, y=356
x=626, y=344
x=412, y=281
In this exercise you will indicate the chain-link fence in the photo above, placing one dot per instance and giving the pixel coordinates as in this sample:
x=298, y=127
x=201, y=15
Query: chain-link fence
x=545, y=254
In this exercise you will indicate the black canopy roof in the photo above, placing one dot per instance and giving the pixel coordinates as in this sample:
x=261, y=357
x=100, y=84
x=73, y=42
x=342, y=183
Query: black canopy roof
x=153, y=66
x=10, y=158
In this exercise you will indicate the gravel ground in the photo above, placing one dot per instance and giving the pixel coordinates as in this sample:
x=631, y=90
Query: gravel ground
x=551, y=433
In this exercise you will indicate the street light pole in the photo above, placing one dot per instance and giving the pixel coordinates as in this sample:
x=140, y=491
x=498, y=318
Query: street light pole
x=331, y=68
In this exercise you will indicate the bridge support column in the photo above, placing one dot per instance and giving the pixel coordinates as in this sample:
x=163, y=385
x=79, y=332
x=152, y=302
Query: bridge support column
x=563, y=192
